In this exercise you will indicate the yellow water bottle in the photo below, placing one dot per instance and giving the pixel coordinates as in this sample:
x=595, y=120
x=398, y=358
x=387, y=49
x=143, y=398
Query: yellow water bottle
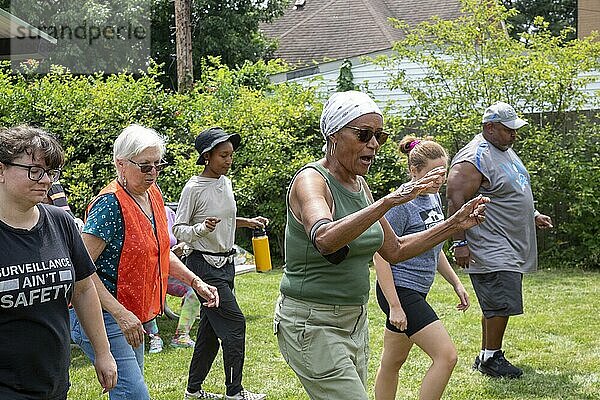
x=262, y=254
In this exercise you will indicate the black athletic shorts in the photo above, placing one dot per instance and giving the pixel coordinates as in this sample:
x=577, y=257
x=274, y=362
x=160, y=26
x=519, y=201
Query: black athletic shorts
x=418, y=312
x=500, y=294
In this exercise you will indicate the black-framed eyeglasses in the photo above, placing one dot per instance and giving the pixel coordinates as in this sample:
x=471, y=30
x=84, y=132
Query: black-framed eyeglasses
x=364, y=134
x=36, y=173
x=146, y=168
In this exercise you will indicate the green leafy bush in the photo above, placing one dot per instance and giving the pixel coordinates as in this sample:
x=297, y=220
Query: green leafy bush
x=472, y=62
x=278, y=124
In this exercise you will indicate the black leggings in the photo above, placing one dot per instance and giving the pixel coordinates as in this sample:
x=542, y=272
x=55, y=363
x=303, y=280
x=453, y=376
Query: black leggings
x=225, y=323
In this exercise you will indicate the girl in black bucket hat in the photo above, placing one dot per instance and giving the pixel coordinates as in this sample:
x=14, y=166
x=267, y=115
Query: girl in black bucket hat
x=206, y=220
x=207, y=140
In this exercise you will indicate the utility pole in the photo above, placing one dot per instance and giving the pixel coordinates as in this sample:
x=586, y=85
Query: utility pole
x=183, y=43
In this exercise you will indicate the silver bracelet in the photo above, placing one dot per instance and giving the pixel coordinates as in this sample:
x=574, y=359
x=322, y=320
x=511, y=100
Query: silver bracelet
x=459, y=243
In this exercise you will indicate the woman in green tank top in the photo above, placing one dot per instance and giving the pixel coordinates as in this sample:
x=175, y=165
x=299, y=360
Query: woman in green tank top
x=334, y=227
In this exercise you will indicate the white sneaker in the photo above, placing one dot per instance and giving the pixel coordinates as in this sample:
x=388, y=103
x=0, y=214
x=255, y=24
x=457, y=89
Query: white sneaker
x=246, y=395
x=201, y=394
x=156, y=344
x=182, y=340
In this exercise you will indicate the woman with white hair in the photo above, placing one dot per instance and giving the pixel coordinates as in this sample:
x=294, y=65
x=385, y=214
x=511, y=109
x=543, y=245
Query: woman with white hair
x=126, y=233
x=334, y=227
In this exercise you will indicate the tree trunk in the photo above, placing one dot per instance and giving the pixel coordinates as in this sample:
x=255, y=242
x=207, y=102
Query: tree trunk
x=183, y=42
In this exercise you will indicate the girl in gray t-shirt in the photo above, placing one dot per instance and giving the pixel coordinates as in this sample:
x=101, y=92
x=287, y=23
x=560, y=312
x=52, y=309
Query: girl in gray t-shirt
x=402, y=288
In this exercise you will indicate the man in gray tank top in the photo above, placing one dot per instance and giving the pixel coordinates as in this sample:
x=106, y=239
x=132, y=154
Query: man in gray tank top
x=499, y=251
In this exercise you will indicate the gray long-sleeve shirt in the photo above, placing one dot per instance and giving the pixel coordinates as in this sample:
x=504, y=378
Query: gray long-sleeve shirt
x=201, y=198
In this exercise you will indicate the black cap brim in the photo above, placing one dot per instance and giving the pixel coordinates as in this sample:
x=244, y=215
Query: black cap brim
x=234, y=138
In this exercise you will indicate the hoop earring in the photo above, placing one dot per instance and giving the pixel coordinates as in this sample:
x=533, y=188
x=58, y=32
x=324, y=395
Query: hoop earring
x=206, y=161
x=332, y=148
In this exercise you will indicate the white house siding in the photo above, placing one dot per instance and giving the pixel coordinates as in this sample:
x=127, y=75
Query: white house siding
x=324, y=77
x=593, y=90
x=376, y=79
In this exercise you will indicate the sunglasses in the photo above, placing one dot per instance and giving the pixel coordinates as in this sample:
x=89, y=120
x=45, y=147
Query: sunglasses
x=147, y=168
x=365, y=135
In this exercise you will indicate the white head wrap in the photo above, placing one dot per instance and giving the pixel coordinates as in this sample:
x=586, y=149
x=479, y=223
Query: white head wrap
x=343, y=107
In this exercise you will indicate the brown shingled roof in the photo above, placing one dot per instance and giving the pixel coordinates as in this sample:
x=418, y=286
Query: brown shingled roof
x=336, y=29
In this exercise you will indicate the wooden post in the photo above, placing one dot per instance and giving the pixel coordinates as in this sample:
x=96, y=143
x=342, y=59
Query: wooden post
x=183, y=43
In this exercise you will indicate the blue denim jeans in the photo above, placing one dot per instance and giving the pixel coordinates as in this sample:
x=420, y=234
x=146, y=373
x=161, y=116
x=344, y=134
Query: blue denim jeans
x=130, y=361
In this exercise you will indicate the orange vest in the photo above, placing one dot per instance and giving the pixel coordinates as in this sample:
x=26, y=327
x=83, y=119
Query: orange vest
x=143, y=268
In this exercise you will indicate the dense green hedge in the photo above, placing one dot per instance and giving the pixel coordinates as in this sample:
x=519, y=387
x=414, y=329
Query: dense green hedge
x=279, y=127
x=565, y=169
x=471, y=62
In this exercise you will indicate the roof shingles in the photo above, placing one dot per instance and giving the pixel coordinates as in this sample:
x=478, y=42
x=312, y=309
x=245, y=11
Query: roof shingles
x=336, y=29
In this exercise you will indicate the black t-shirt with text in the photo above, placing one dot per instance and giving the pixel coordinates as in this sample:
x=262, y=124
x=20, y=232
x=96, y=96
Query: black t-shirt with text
x=38, y=269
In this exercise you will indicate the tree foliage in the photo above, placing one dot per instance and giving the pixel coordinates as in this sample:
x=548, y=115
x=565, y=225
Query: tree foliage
x=228, y=29
x=92, y=35
x=345, y=80
x=278, y=124
x=470, y=62
x=559, y=14
x=224, y=28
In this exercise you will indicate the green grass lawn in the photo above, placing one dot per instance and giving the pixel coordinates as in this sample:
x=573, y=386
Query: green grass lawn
x=556, y=342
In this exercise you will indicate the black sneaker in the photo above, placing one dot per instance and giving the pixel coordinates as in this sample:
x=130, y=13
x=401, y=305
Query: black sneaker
x=497, y=366
x=476, y=363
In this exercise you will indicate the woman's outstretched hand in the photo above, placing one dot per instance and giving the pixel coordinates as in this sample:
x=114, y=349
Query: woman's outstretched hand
x=471, y=213
x=412, y=189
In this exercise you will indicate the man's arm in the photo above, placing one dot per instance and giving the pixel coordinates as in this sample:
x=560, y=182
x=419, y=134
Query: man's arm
x=464, y=181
